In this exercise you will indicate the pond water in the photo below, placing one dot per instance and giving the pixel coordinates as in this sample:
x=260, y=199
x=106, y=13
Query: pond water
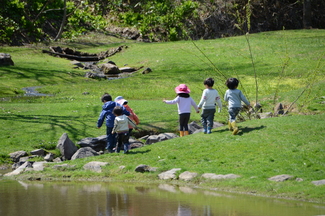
x=25, y=198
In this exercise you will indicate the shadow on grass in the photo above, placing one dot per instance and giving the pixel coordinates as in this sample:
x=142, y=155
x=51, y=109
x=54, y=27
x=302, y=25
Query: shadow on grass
x=65, y=123
x=242, y=130
x=135, y=151
x=249, y=129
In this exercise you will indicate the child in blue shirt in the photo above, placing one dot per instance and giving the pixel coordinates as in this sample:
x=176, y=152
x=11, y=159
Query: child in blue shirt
x=234, y=97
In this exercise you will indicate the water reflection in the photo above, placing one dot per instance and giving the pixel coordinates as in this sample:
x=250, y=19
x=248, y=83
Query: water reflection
x=125, y=199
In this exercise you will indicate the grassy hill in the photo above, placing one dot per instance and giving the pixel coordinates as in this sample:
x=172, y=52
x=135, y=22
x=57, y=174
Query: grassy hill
x=287, y=66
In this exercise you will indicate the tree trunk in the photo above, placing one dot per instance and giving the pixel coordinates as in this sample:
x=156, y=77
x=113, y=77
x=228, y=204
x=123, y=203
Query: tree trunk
x=307, y=14
x=58, y=36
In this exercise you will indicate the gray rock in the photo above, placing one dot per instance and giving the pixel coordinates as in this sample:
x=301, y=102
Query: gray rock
x=38, y=152
x=127, y=69
x=108, y=68
x=141, y=168
x=38, y=166
x=187, y=176
x=212, y=176
x=84, y=152
x=5, y=59
x=49, y=157
x=98, y=143
x=265, y=115
x=168, y=175
x=95, y=166
x=319, y=182
x=161, y=137
x=280, y=178
x=66, y=147
x=19, y=170
x=64, y=166
x=15, y=156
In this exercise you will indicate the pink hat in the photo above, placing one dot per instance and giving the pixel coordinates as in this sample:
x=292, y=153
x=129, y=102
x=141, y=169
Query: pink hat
x=182, y=88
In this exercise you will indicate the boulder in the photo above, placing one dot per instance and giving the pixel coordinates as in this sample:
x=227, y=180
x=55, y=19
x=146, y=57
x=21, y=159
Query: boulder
x=161, y=137
x=169, y=175
x=95, y=166
x=108, y=68
x=187, y=176
x=84, y=152
x=15, y=156
x=319, y=182
x=38, y=152
x=66, y=147
x=280, y=178
x=98, y=143
x=5, y=59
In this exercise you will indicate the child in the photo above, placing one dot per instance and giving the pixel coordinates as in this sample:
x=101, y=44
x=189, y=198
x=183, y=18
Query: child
x=184, y=103
x=107, y=112
x=121, y=128
x=208, y=102
x=234, y=97
x=132, y=115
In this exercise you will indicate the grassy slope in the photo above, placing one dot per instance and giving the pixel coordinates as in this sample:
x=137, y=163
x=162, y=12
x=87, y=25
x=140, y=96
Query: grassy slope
x=289, y=145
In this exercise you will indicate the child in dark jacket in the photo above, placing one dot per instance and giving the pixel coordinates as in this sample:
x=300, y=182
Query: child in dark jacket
x=107, y=113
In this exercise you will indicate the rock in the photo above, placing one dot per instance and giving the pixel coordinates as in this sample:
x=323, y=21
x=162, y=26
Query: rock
x=194, y=127
x=98, y=143
x=279, y=110
x=15, y=156
x=95, y=75
x=280, y=178
x=127, y=69
x=95, y=166
x=145, y=168
x=63, y=167
x=187, y=176
x=49, y=157
x=19, y=170
x=38, y=166
x=66, y=147
x=212, y=176
x=5, y=59
x=108, y=68
x=219, y=177
x=161, y=137
x=134, y=143
x=265, y=115
x=168, y=175
x=146, y=71
x=38, y=152
x=319, y=182
x=231, y=176
x=84, y=152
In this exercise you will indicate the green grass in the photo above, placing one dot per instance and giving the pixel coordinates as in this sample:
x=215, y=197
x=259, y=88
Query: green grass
x=286, y=145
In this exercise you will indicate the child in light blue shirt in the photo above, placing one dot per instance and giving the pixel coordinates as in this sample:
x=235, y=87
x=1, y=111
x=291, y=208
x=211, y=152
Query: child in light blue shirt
x=234, y=97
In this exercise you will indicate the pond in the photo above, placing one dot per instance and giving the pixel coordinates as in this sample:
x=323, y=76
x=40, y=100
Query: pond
x=26, y=198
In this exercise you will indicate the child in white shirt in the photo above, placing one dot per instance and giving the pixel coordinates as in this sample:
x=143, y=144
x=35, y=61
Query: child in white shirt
x=210, y=97
x=184, y=103
x=121, y=128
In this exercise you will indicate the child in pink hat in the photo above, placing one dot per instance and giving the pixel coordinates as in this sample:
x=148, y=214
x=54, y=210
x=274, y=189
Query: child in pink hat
x=184, y=103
